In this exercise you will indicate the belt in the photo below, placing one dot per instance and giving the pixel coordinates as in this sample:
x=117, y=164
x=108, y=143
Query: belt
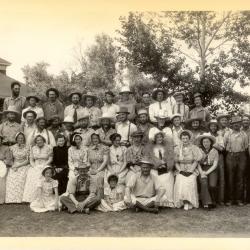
x=9, y=143
x=237, y=152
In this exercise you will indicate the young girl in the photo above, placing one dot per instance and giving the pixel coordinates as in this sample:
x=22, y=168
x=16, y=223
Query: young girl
x=113, y=197
x=47, y=195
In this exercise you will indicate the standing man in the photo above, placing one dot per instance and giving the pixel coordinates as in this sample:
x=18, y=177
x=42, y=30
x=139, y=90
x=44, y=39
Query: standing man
x=15, y=100
x=29, y=126
x=127, y=102
x=89, y=101
x=179, y=107
x=161, y=105
x=125, y=127
x=53, y=106
x=110, y=107
x=75, y=108
x=33, y=100
x=236, y=144
x=10, y=127
x=145, y=102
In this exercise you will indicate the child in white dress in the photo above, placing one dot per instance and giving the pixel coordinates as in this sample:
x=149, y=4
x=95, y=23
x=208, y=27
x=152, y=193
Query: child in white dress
x=47, y=193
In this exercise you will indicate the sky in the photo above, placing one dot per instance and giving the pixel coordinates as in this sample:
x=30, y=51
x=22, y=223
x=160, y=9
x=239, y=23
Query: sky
x=43, y=30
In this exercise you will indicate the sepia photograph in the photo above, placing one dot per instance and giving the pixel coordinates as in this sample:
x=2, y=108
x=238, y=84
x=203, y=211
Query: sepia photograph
x=118, y=122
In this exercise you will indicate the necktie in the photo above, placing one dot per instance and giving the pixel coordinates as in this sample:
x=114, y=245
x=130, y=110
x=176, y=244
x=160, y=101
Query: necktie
x=75, y=115
x=179, y=108
x=160, y=105
x=160, y=155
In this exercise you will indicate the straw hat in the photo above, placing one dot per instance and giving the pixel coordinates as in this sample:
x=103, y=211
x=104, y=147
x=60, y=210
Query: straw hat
x=75, y=93
x=11, y=109
x=123, y=110
x=33, y=96
x=156, y=91
x=222, y=115
x=89, y=94
x=213, y=121
x=52, y=89
x=197, y=94
x=125, y=89
x=206, y=135
x=83, y=116
x=29, y=111
x=68, y=119
x=236, y=119
x=145, y=161
x=142, y=112
x=105, y=116
x=175, y=115
x=189, y=121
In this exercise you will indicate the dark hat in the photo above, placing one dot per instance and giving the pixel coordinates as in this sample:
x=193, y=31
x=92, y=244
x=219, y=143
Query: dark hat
x=156, y=91
x=33, y=96
x=29, y=111
x=197, y=94
x=196, y=118
x=123, y=110
x=75, y=93
x=137, y=134
x=52, y=89
x=54, y=117
x=109, y=92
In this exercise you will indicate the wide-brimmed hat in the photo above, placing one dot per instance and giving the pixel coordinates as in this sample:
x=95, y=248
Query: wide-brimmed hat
x=137, y=134
x=142, y=112
x=89, y=94
x=11, y=109
x=222, y=115
x=125, y=89
x=33, y=96
x=197, y=94
x=82, y=116
x=213, y=121
x=68, y=119
x=123, y=110
x=145, y=161
x=206, y=135
x=185, y=131
x=245, y=117
x=40, y=118
x=52, y=89
x=177, y=93
x=109, y=92
x=175, y=115
x=156, y=91
x=29, y=111
x=195, y=118
x=55, y=117
x=106, y=116
x=75, y=93
x=236, y=119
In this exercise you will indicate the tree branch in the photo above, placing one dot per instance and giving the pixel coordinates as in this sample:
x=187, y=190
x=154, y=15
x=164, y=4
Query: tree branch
x=218, y=46
x=198, y=34
x=216, y=31
x=190, y=57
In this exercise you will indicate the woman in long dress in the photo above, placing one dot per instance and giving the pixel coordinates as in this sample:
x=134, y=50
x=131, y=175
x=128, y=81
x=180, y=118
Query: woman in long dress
x=40, y=158
x=47, y=193
x=117, y=162
x=18, y=171
x=187, y=157
x=161, y=153
x=5, y=161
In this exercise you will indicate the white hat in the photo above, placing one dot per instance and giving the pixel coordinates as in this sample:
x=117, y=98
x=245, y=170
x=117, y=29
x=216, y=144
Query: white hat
x=175, y=115
x=206, y=135
x=3, y=169
x=125, y=89
x=106, y=116
x=68, y=119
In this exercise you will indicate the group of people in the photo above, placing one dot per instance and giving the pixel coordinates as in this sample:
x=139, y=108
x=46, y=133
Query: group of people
x=126, y=155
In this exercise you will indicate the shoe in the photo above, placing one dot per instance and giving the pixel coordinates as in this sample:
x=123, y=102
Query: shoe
x=228, y=204
x=186, y=207
x=239, y=203
x=206, y=207
x=86, y=211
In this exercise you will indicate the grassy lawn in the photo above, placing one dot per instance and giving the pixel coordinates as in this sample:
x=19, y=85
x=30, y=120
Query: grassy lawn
x=18, y=220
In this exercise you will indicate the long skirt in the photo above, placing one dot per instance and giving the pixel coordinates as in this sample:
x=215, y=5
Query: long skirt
x=115, y=207
x=34, y=175
x=185, y=190
x=44, y=204
x=2, y=189
x=167, y=182
x=15, y=182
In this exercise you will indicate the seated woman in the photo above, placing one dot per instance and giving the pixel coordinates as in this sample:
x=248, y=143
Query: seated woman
x=98, y=159
x=47, y=193
x=134, y=154
x=60, y=163
x=18, y=171
x=77, y=154
x=208, y=170
x=161, y=153
x=5, y=161
x=187, y=157
x=117, y=162
x=41, y=155
x=82, y=193
x=113, y=197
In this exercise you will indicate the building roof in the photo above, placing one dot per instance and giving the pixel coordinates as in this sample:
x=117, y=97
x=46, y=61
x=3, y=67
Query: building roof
x=4, y=62
x=5, y=89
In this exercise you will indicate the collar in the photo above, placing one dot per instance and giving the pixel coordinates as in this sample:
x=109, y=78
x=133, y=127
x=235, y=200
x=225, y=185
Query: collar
x=75, y=106
x=12, y=97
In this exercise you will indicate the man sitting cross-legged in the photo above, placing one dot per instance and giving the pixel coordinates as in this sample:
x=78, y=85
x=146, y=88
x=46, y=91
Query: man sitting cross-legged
x=82, y=195
x=143, y=191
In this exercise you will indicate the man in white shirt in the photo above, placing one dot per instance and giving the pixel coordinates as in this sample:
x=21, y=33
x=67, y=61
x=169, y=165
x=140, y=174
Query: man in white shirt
x=33, y=100
x=29, y=126
x=74, y=109
x=110, y=107
x=179, y=107
x=161, y=105
x=124, y=127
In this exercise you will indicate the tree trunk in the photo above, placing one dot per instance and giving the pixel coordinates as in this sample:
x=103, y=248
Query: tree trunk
x=203, y=47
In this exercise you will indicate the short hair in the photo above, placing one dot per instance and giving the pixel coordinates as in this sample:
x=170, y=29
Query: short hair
x=95, y=134
x=13, y=84
x=113, y=177
x=40, y=136
x=60, y=136
x=48, y=168
x=185, y=133
x=114, y=136
x=201, y=143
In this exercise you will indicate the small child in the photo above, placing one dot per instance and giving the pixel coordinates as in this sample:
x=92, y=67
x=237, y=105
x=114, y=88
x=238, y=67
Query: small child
x=113, y=197
x=47, y=199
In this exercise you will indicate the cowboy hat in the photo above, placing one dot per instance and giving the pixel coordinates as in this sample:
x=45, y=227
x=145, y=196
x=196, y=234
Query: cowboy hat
x=105, y=116
x=137, y=134
x=83, y=116
x=193, y=119
x=197, y=94
x=175, y=115
x=142, y=112
x=179, y=93
x=52, y=89
x=213, y=121
x=33, y=96
x=145, y=161
x=89, y=94
x=206, y=135
x=75, y=93
x=185, y=131
x=236, y=119
x=11, y=109
x=156, y=91
x=29, y=111
x=125, y=89
x=222, y=115
x=123, y=110
x=109, y=92
x=40, y=118
x=68, y=119
x=54, y=117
